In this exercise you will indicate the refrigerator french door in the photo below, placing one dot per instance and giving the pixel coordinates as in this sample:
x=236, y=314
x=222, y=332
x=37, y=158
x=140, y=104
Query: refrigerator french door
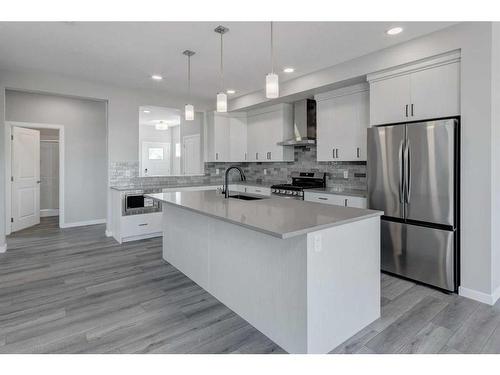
x=412, y=177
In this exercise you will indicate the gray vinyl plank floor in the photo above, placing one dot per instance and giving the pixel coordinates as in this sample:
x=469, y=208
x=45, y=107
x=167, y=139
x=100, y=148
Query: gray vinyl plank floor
x=76, y=291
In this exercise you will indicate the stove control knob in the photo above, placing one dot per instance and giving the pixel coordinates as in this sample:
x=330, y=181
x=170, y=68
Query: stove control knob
x=294, y=193
x=282, y=191
x=273, y=190
x=289, y=192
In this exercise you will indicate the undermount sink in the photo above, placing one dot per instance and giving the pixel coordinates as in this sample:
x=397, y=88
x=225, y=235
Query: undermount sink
x=245, y=197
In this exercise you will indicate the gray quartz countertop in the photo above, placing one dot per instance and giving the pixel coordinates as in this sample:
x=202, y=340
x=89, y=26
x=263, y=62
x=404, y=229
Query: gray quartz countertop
x=173, y=186
x=348, y=192
x=282, y=218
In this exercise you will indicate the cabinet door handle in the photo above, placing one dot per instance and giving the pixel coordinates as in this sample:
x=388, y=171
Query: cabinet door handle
x=357, y=151
x=333, y=153
x=216, y=156
x=256, y=156
x=270, y=155
x=406, y=110
x=345, y=202
x=245, y=156
x=336, y=153
x=412, y=109
x=323, y=199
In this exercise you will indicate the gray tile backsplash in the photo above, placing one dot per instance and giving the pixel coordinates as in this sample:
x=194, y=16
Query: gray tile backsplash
x=127, y=173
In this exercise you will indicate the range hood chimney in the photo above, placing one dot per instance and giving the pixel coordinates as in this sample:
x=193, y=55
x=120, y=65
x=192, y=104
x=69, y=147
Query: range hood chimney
x=304, y=124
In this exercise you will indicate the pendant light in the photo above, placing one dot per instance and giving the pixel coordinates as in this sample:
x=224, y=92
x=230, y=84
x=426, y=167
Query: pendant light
x=161, y=125
x=189, y=108
x=272, y=79
x=221, y=96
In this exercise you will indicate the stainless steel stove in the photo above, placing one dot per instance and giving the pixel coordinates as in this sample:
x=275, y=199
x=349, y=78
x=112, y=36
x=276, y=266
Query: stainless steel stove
x=300, y=182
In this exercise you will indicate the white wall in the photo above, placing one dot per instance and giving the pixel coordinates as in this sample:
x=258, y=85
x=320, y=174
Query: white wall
x=495, y=139
x=122, y=113
x=477, y=214
x=84, y=121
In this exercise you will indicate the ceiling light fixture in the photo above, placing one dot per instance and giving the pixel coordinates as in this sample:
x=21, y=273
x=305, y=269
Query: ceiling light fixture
x=161, y=126
x=156, y=77
x=189, y=108
x=288, y=70
x=231, y=92
x=221, y=96
x=394, y=31
x=272, y=79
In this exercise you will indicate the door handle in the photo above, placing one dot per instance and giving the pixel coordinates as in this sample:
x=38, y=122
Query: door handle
x=408, y=171
x=401, y=173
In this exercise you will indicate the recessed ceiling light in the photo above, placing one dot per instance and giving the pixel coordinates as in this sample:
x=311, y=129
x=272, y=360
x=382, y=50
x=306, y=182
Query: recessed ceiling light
x=288, y=70
x=146, y=111
x=230, y=92
x=394, y=31
x=156, y=77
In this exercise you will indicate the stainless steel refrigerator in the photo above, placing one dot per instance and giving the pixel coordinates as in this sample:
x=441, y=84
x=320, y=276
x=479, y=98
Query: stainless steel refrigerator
x=413, y=176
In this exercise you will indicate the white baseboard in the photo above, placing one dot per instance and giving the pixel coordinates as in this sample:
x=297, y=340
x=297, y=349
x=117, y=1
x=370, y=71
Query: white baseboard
x=83, y=223
x=3, y=248
x=142, y=237
x=49, y=212
x=489, y=299
x=108, y=233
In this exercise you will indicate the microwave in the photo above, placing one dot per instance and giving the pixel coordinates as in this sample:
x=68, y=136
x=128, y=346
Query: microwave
x=138, y=203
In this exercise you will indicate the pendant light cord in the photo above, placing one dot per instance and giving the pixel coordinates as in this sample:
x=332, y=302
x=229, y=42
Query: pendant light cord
x=272, y=49
x=221, y=64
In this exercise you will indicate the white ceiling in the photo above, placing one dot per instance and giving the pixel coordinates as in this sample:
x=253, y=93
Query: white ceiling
x=127, y=53
x=155, y=114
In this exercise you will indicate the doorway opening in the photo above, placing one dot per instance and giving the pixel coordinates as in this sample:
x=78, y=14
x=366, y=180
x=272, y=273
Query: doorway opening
x=34, y=168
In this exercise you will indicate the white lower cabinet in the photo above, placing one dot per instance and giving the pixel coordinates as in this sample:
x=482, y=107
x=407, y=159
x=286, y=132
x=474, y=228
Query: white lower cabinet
x=336, y=199
x=134, y=226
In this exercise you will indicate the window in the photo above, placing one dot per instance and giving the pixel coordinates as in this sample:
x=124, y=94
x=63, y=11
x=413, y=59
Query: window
x=155, y=153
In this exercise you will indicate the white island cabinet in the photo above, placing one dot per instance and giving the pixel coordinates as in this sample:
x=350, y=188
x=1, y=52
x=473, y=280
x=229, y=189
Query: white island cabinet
x=306, y=275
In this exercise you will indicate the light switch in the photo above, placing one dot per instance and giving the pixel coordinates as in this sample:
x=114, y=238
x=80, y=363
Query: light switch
x=217, y=171
x=265, y=171
x=346, y=174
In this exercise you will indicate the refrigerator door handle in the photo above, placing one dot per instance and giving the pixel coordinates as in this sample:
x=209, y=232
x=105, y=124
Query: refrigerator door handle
x=408, y=172
x=401, y=173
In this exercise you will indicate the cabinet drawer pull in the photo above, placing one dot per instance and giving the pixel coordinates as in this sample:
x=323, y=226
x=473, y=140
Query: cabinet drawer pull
x=345, y=202
x=143, y=224
x=323, y=199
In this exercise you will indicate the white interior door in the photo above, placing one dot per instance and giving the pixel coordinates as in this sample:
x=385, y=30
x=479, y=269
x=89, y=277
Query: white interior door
x=191, y=157
x=26, y=178
x=156, y=159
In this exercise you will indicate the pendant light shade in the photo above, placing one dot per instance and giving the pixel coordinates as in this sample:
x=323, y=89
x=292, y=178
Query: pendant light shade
x=272, y=86
x=221, y=96
x=272, y=79
x=221, y=102
x=189, y=108
x=161, y=126
x=189, y=112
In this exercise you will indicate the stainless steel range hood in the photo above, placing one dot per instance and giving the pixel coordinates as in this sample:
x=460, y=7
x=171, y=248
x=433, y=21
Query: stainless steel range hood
x=304, y=124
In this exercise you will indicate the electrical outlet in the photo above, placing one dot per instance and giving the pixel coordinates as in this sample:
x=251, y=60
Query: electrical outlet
x=317, y=243
x=265, y=171
x=216, y=171
x=346, y=174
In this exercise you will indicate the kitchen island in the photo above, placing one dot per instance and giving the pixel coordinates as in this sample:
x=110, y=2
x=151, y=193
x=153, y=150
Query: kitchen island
x=305, y=274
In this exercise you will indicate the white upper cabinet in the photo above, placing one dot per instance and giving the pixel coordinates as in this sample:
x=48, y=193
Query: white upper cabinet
x=226, y=137
x=428, y=89
x=266, y=128
x=342, y=119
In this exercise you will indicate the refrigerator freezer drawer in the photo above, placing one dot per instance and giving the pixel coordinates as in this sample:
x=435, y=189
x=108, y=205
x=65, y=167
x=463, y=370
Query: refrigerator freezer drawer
x=419, y=253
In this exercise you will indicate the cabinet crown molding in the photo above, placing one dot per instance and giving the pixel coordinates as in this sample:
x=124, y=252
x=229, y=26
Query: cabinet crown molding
x=427, y=63
x=271, y=108
x=348, y=90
